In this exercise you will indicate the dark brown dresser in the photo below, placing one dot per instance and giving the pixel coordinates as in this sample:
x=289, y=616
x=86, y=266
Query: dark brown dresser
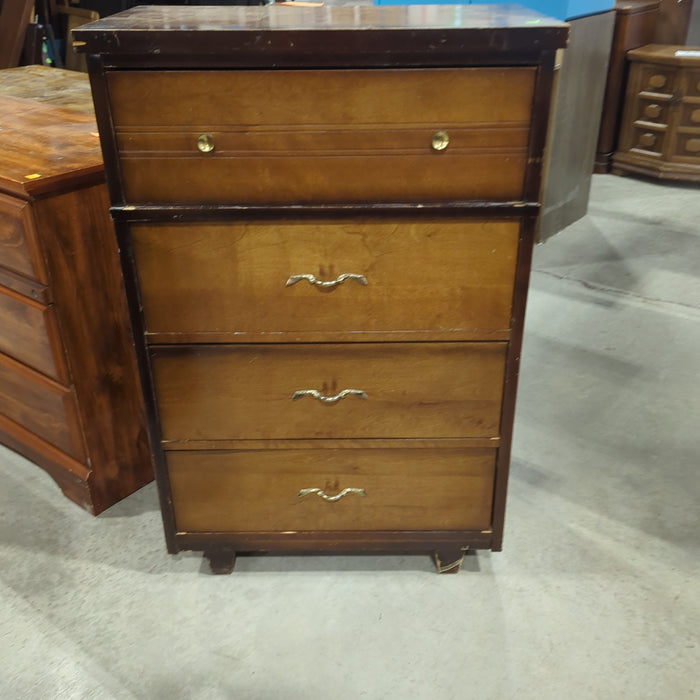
x=660, y=130
x=326, y=218
x=70, y=399
x=635, y=22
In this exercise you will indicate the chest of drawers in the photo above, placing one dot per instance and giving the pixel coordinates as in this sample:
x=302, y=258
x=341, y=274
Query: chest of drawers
x=69, y=390
x=326, y=218
x=660, y=130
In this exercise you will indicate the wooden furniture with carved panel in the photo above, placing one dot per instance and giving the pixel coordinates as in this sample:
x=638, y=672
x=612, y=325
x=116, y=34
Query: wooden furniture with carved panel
x=660, y=132
x=326, y=218
x=69, y=394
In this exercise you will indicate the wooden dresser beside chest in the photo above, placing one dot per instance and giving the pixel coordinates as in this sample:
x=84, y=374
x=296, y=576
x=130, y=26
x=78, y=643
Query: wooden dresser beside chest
x=660, y=129
x=69, y=390
x=326, y=218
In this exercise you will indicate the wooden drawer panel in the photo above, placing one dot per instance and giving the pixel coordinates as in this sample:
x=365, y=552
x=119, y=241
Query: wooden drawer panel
x=692, y=82
x=29, y=333
x=230, y=280
x=429, y=390
x=322, y=136
x=404, y=489
x=690, y=114
x=43, y=407
x=19, y=246
x=688, y=146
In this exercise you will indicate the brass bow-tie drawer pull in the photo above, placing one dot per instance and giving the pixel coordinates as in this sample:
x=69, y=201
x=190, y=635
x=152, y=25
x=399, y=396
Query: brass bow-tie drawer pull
x=330, y=284
x=332, y=499
x=328, y=399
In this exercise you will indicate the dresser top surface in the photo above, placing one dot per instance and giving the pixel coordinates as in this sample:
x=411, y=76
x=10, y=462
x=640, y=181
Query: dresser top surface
x=329, y=29
x=48, y=134
x=666, y=53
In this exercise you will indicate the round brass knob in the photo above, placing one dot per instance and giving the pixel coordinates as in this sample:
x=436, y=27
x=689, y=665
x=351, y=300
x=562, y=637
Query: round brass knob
x=440, y=141
x=657, y=81
x=652, y=111
x=692, y=145
x=647, y=139
x=205, y=143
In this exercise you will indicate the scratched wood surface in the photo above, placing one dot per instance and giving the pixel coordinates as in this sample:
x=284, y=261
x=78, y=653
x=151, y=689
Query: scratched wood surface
x=49, y=135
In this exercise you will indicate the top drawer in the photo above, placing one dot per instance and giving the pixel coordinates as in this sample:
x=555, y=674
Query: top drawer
x=19, y=246
x=322, y=136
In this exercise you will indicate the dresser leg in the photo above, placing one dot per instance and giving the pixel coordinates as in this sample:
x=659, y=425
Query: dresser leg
x=449, y=560
x=221, y=561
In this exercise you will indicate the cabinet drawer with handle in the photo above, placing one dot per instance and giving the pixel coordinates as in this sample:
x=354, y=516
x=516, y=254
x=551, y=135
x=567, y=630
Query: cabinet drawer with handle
x=343, y=489
x=322, y=136
x=316, y=279
x=359, y=390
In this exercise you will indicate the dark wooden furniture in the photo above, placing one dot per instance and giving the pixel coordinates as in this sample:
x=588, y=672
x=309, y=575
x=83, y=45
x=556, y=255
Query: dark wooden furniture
x=575, y=123
x=673, y=22
x=15, y=16
x=69, y=394
x=660, y=132
x=326, y=218
x=635, y=23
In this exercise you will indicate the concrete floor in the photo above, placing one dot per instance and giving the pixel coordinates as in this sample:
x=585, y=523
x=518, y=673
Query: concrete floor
x=595, y=596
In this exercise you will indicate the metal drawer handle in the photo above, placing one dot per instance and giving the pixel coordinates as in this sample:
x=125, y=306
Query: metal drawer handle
x=360, y=279
x=440, y=141
x=328, y=399
x=332, y=499
x=205, y=143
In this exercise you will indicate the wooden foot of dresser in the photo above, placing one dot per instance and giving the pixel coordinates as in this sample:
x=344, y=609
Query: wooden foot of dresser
x=221, y=561
x=449, y=560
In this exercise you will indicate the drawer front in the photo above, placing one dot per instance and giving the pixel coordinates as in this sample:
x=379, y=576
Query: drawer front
x=19, y=245
x=322, y=135
x=657, y=79
x=653, y=111
x=650, y=142
x=692, y=82
x=41, y=406
x=688, y=147
x=690, y=114
x=392, y=489
x=238, y=280
x=399, y=390
x=29, y=333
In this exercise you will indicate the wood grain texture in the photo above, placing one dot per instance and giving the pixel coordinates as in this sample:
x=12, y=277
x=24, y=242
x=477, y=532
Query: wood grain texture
x=19, y=248
x=46, y=148
x=229, y=280
x=71, y=476
x=404, y=489
x=61, y=88
x=78, y=238
x=414, y=390
x=43, y=407
x=315, y=136
x=313, y=166
x=30, y=334
x=62, y=308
